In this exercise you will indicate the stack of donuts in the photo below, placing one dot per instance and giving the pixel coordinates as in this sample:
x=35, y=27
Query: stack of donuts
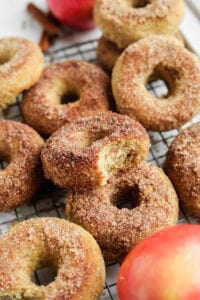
x=140, y=43
x=125, y=22
x=97, y=154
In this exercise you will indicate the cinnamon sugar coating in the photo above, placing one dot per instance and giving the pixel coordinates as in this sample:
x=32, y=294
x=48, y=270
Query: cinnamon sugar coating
x=20, y=146
x=21, y=64
x=86, y=153
x=125, y=21
x=155, y=206
x=54, y=242
x=164, y=58
x=42, y=106
x=183, y=167
x=108, y=52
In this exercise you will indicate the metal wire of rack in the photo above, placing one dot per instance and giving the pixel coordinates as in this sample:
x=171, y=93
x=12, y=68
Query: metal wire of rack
x=51, y=200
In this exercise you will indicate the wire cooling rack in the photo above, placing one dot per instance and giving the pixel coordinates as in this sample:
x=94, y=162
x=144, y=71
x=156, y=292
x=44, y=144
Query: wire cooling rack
x=51, y=200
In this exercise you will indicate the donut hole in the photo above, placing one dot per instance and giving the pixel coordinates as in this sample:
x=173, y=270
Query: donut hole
x=158, y=88
x=117, y=155
x=5, y=58
x=44, y=275
x=162, y=82
x=126, y=197
x=4, y=161
x=62, y=93
x=140, y=3
x=3, y=164
x=69, y=97
x=87, y=140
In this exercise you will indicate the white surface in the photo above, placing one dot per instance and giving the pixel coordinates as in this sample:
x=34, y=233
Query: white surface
x=195, y=5
x=16, y=21
x=190, y=28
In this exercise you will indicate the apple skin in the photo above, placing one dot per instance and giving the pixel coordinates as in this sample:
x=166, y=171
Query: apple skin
x=165, y=266
x=77, y=14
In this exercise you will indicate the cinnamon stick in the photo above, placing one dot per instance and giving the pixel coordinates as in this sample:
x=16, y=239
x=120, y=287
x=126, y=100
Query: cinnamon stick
x=46, y=22
x=45, y=41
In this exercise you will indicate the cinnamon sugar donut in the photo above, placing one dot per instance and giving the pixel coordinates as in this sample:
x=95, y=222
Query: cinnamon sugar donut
x=183, y=167
x=126, y=21
x=165, y=58
x=155, y=206
x=108, y=52
x=21, y=64
x=85, y=153
x=64, y=246
x=20, y=146
x=42, y=106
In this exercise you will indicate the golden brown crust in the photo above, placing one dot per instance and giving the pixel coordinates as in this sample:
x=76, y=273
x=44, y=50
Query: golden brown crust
x=165, y=58
x=123, y=24
x=85, y=153
x=20, y=146
x=50, y=242
x=118, y=230
x=183, y=167
x=108, y=52
x=21, y=64
x=42, y=107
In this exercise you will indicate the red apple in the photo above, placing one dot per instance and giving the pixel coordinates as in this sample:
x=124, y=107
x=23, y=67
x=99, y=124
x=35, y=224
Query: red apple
x=77, y=14
x=165, y=266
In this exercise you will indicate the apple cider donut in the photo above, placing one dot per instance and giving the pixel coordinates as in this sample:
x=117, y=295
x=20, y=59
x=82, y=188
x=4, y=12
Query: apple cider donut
x=155, y=206
x=56, y=243
x=126, y=21
x=21, y=64
x=20, y=147
x=183, y=167
x=42, y=107
x=165, y=58
x=108, y=52
x=85, y=153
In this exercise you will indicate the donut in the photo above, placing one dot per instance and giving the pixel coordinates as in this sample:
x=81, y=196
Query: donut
x=21, y=64
x=42, y=107
x=56, y=243
x=154, y=201
x=183, y=167
x=85, y=153
x=165, y=58
x=20, y=147
x=180, y=37
x=108, y=52
x=124, y=22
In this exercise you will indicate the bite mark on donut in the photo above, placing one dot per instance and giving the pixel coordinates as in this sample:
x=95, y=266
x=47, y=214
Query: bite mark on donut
x=118, y=155
x=85, y=153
